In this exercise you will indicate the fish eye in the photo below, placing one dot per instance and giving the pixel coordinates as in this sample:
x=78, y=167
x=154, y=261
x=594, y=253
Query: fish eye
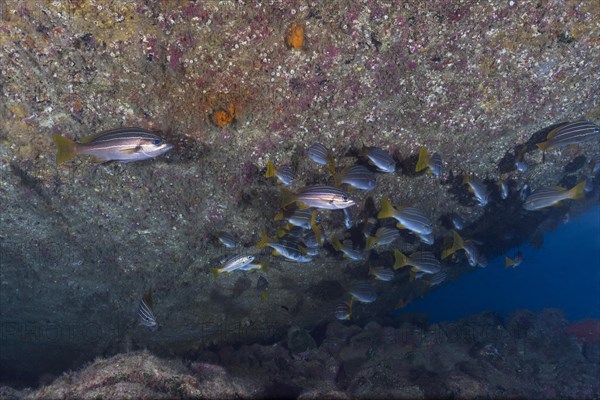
x=344, y=198
x=156, y=142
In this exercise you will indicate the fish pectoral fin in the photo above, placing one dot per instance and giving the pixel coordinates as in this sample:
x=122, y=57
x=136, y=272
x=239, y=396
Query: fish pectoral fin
x=132, y=150
x=99, y=160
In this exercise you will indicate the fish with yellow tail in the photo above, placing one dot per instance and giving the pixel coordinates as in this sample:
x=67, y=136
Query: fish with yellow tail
x=317, y=196
x=410, y=218
x=343, y=311
x=420, y=261
x=474, y=256
x=233, y=263
x=433, y=163
x=348, y=250
x=513, y=262
x=284, y=174
x=287, y=248
x=551, y=195
x=570, y=133
x=478, y=188
x=123, y=145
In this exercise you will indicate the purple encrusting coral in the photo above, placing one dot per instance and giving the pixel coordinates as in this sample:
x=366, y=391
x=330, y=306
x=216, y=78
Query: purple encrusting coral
x=470, y=80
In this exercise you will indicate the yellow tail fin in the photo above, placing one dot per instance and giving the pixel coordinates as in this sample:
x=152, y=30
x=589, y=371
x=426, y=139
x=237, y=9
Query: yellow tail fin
x=371, y=241
x=423, y=159
x=215, y=272
x=577, y=192
x=458, y=243
x=264, y=295
x=287, y=197
x=387, y=210
x=264, y=241
x=278, y=216
x=336, y=244
x=401, y=260
x=66, y=149
x=270, y=170
x=264, y=266
x=508, y=262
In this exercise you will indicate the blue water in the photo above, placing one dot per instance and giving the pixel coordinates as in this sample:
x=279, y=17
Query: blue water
x=564, y=274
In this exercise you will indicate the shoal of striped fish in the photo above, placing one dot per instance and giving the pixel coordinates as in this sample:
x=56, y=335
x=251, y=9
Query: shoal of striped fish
x=348, y=250
x=570, y=133
x=384, y=235
x=233, y=263
x=122, y=144
x=343, y=311
x=433, y=163
x=364, y=292
x=381, y=273
x=284, y=174
x=410, y=218
x=227, y=240
x=423, y=261
x=318, y=196
x=357, y=176
x=288, y=248
x=380, y=158
x=478, y=188
x=550, y=195
x=145, y=313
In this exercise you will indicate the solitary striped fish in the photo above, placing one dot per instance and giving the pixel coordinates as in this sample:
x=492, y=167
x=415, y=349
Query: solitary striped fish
x=380, y=158
x=434, y=163
x=410, y=218
x=318, y=196
x=570, y=133
x=145, y=314
x=233, y=263
x=343, y=311
x=549, y=195
x=478, y=188
x=364, y=292
x=423, y=261
x=122, y=144
x=357, y=176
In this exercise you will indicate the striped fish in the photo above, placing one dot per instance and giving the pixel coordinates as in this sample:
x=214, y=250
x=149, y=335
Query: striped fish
x=385, y=274
x=410, y=218
x=322, y=156
x=423, y=261
x=318, y=196
x=570, y=133
x=364, y=292
x=427, y=239
x=384, y=235
x=145, y=313
x=284, y=174
x=436, y=279
x=233, y=263
x=227, y=240
x=380, y=158
x=433, y=163
x=287, y=247
x=122, y=144
x=550, y=195
x=474, y=257
x=504, y=191
x=343, y=311
x=478, y=188
x=357, y=176
x=346, y=248
x=348, y=220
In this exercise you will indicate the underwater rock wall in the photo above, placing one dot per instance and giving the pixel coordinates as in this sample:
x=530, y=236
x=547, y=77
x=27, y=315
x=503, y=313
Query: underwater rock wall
x=528, y=355
x=232, y=86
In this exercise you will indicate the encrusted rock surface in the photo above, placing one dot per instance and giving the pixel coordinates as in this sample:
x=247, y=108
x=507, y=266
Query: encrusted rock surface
x=528, y=356
x=80, y=243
